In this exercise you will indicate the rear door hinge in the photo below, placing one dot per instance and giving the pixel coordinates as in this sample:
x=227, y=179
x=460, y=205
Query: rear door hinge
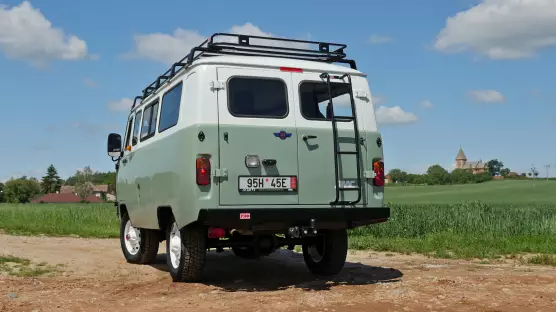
x=369, y=174
x=216, y=85
x=220, y=173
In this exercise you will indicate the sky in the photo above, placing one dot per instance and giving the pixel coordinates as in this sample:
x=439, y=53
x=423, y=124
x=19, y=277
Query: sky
x=443, y=74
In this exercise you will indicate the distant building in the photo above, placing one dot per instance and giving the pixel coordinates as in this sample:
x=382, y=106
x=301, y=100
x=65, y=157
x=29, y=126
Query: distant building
x=473, y=166
x=64, y=198
x=98, y=191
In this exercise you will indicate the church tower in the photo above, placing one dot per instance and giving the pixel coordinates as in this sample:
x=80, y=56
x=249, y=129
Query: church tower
x=461, y=159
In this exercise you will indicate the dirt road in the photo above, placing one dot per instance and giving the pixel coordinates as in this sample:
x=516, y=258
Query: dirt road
x=94, y=277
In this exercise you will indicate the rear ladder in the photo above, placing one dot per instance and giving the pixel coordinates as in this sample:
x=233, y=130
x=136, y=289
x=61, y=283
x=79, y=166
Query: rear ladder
x=337, y=152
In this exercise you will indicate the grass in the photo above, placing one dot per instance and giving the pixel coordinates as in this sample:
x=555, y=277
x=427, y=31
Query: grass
x=85, y=220
x=485, y=221
x=21, y=267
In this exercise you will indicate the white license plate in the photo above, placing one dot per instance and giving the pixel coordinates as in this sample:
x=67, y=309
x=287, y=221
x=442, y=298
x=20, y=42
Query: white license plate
x=263, y=184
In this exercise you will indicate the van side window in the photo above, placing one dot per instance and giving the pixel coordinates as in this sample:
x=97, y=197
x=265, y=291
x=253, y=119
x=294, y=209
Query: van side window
x=257, y=97
x=136, y=128
x=170, y=108
x=128, y=132
x=150, y=114
x=314, y=100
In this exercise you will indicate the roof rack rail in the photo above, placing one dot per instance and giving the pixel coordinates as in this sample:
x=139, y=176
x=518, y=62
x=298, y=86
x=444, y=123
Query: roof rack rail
x=246, y=45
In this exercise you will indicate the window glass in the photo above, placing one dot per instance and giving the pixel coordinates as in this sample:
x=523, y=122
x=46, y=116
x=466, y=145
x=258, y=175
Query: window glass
x=257, y=97
x=128, y=131
x=314, y=99
x=170, y=108
x=150, y=115
x=136, y=128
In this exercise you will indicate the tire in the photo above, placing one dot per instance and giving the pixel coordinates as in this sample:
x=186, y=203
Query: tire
x=327, y=258
x=185, y=252
x=139, y=246
x=245, y=252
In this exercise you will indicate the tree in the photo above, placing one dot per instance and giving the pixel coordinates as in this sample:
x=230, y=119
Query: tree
x=83, y=184
x=398, y=176
x=1, y=192
x=505, y=172
x=495, y=166
x=483, y=177
x=51, y=182
x=438, y=175
x=21, y=190
x=534, y=171
x=461, y=176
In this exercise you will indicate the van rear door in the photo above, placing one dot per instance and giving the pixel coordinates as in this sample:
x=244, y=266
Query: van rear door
x=317, y=181
x=257, y=137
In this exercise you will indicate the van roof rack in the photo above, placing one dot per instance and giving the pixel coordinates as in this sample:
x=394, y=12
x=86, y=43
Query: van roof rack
x=247, y=45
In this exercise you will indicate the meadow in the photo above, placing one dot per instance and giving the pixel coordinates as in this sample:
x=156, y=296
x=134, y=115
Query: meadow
x=486, y=220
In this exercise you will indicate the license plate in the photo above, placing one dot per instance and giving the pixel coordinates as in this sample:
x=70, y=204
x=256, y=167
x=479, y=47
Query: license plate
x=267, y=184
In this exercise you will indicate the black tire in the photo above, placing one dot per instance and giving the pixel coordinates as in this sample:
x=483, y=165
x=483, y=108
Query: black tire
x=246, y=252
x=146, y=250
x=332, y=249
x=192, y=253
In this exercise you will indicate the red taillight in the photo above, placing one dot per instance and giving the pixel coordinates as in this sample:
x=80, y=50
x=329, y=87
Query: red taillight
x=291, y=69
x=203, y=171
x=378, y=168
x=293, y=183
x=216, y=233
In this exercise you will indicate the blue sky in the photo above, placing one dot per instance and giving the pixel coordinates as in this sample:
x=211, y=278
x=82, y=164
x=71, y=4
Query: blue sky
x=444, y=73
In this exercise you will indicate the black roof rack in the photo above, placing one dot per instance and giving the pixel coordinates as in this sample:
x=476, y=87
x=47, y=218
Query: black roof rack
x=247, y=45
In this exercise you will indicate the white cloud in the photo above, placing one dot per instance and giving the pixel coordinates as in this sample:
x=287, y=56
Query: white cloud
x=26, y=34
x=123, y=105
x=378, y=39
x=501, y=29
x=427, y=104
x=378, y=99
x=394, y=115
x=170, y=48
x=487, y=96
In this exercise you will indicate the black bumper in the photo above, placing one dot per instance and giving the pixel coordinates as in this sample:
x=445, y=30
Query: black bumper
x=279, y=218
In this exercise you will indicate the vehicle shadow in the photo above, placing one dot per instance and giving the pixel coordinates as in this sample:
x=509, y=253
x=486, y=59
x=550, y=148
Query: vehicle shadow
x=281, y=270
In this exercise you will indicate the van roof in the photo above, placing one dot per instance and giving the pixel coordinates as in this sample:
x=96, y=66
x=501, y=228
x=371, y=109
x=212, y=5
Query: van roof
x=273, y=62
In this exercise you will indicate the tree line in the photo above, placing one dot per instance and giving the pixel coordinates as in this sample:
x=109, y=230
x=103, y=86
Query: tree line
x=25, y=189
x=437, y=175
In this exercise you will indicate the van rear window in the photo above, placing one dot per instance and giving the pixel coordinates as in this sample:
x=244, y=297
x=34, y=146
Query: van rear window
x=257, y=97
x=314, y=99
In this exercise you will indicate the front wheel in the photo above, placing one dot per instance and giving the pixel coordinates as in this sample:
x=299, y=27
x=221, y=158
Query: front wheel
x=327, y=256
x=139, y=246
x=185, y=252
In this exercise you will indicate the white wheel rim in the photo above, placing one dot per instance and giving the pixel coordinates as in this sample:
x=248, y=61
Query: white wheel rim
x=132, y=237
x=175, y=246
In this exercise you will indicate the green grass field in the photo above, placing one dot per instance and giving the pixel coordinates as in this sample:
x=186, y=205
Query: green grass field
x=461, y=221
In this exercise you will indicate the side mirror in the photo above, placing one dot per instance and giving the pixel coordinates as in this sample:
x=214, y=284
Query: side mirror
x=114, y=145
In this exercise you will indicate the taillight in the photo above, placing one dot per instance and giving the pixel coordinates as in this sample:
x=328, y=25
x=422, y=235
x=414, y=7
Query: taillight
x=293, y=183
x=203, y=171
x=378, y=169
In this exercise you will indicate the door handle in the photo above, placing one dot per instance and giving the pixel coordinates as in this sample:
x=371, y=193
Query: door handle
x=307, y=137
x=269, y=162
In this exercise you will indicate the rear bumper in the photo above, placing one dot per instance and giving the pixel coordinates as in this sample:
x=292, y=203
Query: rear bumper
x=280, y=218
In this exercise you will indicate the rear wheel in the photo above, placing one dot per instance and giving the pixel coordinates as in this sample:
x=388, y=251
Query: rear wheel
x=139, y=246
x=327, y=256
x=185, y=252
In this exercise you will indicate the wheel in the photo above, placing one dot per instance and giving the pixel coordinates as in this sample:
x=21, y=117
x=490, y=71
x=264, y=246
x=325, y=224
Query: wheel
x=247, y=252
x=328, y=255
x=185, y=252
x=139, y=246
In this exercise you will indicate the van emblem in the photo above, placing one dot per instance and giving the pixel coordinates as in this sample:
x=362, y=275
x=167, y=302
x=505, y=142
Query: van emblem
x=282, y=135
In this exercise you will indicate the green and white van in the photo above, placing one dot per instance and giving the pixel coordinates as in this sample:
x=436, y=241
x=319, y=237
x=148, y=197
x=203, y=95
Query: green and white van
x=254, y=144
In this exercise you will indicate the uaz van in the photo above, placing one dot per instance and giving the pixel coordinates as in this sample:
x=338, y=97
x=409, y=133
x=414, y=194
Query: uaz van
x=250, y=143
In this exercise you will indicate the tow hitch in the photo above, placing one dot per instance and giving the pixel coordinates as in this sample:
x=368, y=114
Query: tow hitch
x=303, y=231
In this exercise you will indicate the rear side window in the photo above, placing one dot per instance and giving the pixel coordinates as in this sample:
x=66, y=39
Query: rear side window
x=257, y=97
x=136, y=128
x=170, y=108
x=150, y=115
x=314, y=99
